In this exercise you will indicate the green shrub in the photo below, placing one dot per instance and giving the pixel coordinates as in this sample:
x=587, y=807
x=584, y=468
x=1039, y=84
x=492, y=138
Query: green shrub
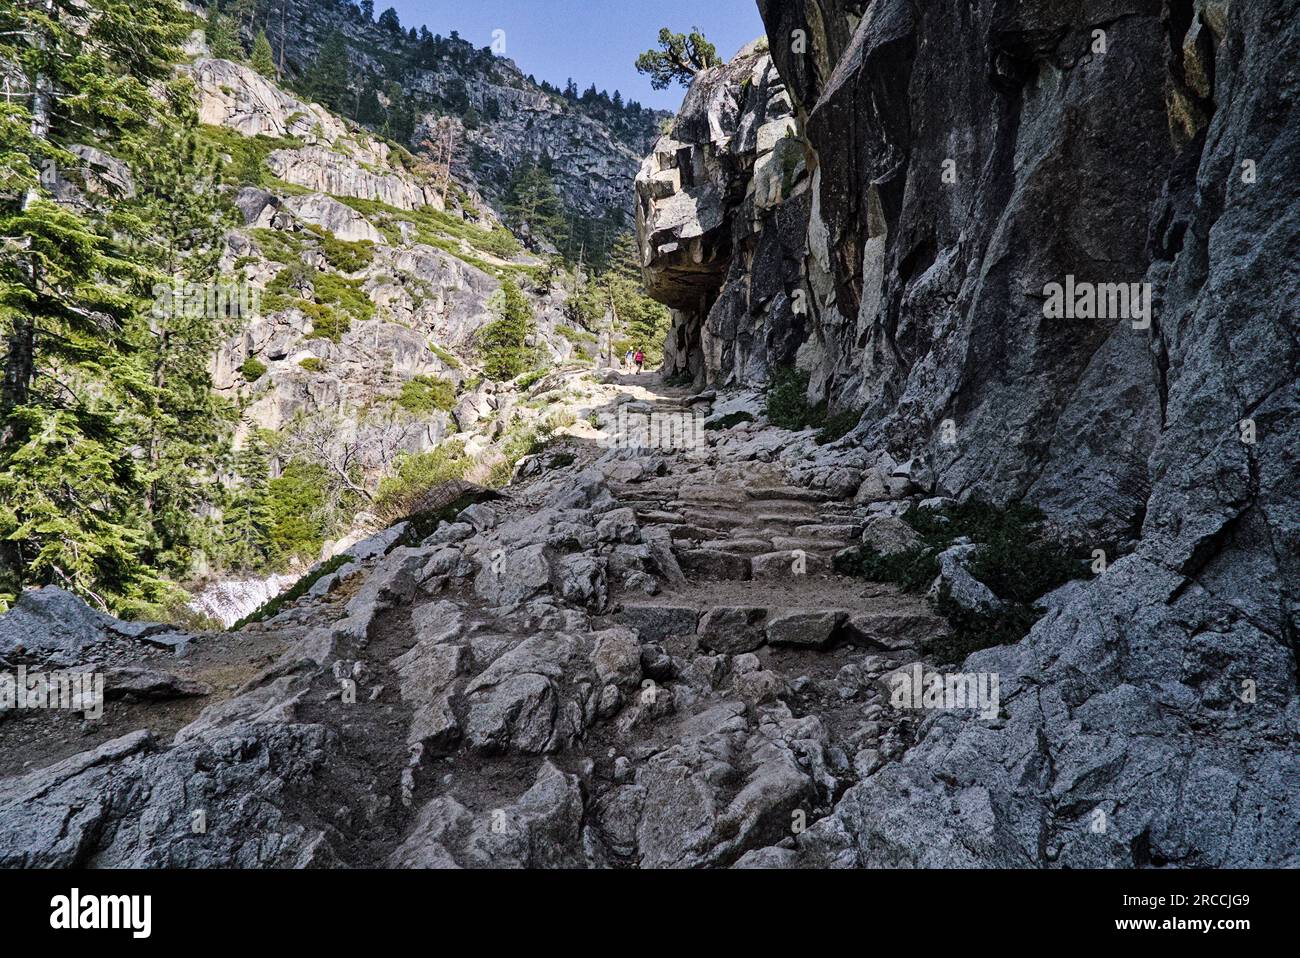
x=912, y=571
x=532, y=379
x=252, y=369
x=425, y=394
x=343, y=295
x=313, y=364
x=417, y=474
x=247, y=154
x=729, y=420
x=300, y=522
x=279, y=247
x=577, y=336
x=344, y=255
x=975, y=629
x=337, y=301
x=443, y=230
x=519, y=442
x=787, y=401
x=839, y=425
x=425, y=522
x=1017, y=560
x=445, y=356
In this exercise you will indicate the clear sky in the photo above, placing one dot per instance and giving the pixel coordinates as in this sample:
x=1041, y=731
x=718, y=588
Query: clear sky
x=592, y=41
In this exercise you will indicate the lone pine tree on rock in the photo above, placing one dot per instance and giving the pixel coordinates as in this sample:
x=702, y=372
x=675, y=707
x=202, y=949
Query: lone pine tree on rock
x=680, y=58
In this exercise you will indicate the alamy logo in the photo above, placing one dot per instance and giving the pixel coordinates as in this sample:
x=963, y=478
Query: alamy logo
x=1073, y=300
x=657, y=431
x=72, y=691
x=75, y=911
x=218, y=301
x=918, y=689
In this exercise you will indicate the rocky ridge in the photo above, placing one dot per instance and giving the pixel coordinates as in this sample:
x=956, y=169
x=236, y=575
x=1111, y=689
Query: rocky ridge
x=593, y=151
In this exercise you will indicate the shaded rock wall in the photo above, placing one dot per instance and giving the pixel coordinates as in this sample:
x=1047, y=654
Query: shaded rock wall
x=1164, y=695
x=963, y=157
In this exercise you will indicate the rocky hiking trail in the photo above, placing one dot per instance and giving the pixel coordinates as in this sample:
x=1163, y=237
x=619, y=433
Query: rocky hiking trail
x=641, y=659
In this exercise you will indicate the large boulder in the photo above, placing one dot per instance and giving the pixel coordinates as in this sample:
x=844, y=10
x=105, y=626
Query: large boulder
x=56, y=625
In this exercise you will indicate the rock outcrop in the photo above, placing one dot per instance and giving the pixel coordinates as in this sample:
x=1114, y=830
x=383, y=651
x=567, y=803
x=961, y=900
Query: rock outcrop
x=722, y=214
x=963, y=160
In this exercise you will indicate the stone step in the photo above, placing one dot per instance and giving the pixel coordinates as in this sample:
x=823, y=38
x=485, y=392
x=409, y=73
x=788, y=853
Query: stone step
x=759, y=532
x=712, y=495
x=632, y=495
x=839, y=513
x=791, y=517
x=717, y=519
x=714, y=564
x=657, y=517
x=789, y=565
x=848, y=532
x=744, y=546
x=737, y=629
x=816, y=544
x=791, y=493
x=685, y=532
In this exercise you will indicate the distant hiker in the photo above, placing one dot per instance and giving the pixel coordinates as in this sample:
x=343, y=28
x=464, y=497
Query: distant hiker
x=629, y=359
x=640, y=361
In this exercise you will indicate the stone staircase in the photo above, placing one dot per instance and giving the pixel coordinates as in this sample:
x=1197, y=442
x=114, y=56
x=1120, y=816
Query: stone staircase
x=737, y=533
x=757, y=571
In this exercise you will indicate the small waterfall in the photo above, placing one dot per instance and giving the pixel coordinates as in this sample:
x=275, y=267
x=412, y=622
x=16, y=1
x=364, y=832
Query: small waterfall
x=230, y=600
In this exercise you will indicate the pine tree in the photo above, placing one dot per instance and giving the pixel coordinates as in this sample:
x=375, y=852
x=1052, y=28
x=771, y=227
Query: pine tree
x=327, y=80
x=223, y=38
x=175, y=223
x=680, y=57
x=502, y=342
x=263, y=57
x=534, y=207
x=248, y=521
x=70, y=486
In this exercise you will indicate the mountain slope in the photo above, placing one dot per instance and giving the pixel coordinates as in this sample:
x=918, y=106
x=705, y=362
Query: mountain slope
x=500, y=119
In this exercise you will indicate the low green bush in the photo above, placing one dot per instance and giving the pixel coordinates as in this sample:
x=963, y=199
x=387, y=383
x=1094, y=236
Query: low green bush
x=445, y=356
x=252, y=369
x=1017, y=560
x=426, y=394
x=416, y=475
x=787, y=401
x=838, y=425
x=344, y=255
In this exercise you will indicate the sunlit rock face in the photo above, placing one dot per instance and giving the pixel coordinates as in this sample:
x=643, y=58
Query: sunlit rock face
x=722, y=213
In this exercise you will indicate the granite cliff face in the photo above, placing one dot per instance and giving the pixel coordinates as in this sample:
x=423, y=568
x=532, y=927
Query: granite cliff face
x=722, y=201
x=429, y=287
x=962, y=159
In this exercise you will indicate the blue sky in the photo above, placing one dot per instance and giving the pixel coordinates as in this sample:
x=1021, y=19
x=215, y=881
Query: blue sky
x=593, y=41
